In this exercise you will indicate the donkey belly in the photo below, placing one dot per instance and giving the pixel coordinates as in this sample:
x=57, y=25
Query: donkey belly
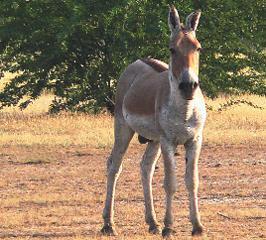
x=144, y=125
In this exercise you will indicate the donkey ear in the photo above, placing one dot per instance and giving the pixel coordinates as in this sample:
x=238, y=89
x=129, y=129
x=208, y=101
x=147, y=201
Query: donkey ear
x=192, y=20
x=173, y=19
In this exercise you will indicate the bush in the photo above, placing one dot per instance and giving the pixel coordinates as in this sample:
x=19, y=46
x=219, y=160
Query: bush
x=78, y=49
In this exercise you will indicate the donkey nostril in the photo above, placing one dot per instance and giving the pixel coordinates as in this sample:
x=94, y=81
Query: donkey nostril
x=195, y=84
x=182, y=86
x=188, y=86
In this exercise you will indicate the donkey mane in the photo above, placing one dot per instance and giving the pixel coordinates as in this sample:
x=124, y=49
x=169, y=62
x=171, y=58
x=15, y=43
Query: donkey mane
x=157, y=65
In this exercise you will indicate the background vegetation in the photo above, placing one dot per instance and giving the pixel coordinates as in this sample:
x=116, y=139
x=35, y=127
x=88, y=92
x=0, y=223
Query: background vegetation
x=78, y=48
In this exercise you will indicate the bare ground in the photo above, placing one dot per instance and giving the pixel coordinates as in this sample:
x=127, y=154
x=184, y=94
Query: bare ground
x=58, y=193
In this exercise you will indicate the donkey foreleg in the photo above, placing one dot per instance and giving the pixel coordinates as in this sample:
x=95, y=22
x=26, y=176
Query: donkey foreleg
x=148, y=162
x=193, y=148
x=170, y=184
x=123, y=135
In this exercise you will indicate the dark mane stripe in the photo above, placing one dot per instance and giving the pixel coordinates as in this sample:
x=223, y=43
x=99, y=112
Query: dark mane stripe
x=157, y=65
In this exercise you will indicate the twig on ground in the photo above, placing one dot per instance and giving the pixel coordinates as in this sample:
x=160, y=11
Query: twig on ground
x=223, y=215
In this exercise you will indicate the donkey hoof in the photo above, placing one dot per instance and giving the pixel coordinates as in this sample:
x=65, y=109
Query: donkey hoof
x=109, y=230
x=167, y=232
x=155, y=229
x=197, y=231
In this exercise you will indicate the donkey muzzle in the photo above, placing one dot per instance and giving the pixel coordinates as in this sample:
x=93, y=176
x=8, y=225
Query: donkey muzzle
x=188, y=83
x=187, y=89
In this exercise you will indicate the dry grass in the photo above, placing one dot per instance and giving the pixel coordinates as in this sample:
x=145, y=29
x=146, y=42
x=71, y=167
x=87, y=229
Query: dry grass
x=237, y=125
x=6, y=79
x=53, y=176
x=64, y=130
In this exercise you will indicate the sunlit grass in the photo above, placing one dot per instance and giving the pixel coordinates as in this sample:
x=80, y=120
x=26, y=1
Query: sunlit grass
x=237, y=124
x=64, y=129
x=33, y=126
x=6, y=79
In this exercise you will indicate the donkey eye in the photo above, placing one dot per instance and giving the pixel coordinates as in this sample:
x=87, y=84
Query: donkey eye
x=172, y=50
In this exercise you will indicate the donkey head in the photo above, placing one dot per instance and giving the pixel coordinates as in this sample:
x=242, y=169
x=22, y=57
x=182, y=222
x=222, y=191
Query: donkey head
x=184, y=48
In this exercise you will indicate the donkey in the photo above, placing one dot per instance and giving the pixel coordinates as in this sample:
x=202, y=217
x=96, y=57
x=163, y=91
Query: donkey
x=165, y=106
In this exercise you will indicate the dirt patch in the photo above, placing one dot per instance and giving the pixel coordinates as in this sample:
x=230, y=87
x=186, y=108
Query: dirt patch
x=60, y=195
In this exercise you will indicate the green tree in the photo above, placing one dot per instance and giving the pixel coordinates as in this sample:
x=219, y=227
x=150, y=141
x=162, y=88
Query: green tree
x=78, y=48
x=233, y=35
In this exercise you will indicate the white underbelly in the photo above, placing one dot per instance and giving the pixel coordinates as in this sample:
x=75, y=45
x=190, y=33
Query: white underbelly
x=142, y=124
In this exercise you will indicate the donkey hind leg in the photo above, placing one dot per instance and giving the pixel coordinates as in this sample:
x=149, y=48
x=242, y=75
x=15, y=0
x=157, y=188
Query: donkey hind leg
x=148, y=163
x=123, y=135
x=192, y=183
x=170, y=184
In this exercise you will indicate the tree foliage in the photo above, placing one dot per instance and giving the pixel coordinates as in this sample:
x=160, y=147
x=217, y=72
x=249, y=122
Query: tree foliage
x=78, y=48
